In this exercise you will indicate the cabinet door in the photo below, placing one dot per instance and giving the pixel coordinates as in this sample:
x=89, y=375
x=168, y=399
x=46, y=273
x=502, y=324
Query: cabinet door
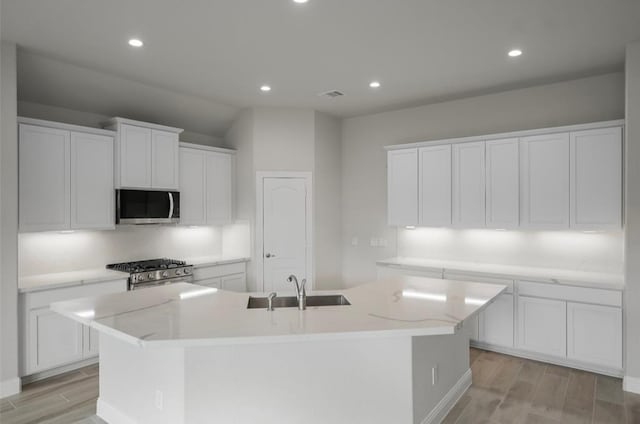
x=53, y=340
x=496, y=322
x=471, y=327
x=209, y=282
x=44, y=173
x=402, y=187
x=235, y=283
x=544, y=177
x=596, y=179
x=192, y=187
x=91, y=342
x=135, y=156
x=92, y=195
x=219, y=198
x=503, y=188
x=469, y=185
x=435, y=185
x=542, y=325
x=594, y=334
x=164, y=162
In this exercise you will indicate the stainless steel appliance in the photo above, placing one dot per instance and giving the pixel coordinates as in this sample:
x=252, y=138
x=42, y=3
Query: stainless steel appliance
x=154, y=272
x=147, y=207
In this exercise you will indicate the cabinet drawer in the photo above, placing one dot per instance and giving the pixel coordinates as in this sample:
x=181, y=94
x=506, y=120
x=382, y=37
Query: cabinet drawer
x=204, y=273
x=461, y=276
x=571, y=293
x=46, y=297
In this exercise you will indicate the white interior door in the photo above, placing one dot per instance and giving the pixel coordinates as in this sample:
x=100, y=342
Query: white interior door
x=285, y=222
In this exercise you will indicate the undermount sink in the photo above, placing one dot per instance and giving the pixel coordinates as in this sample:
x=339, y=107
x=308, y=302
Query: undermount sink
x=292, y=301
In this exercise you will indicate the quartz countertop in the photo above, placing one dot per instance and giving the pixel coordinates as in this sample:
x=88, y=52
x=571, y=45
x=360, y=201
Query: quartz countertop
x=205, y=261
x=549, y=275
x=56, y=280
x=182, y=314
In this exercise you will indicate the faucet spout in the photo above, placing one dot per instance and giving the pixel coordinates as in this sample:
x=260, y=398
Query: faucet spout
x=301, y=292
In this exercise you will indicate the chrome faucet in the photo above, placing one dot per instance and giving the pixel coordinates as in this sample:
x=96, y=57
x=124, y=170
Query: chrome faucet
x=301, y=292
x=271, y=297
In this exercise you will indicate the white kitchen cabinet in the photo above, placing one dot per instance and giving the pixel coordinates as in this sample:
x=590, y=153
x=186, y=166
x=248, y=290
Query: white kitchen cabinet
x=65, y=177
x=594, y=334
x=56, y=340
x=402, y=187
x=502, y=183
x=434, y=182
x=544, y=179
x=542, y=325
x=44, y=177
x=164, y=160
x=206, y=185
x=147, y=155
x=468, y=182
x=210, y=282
x=91, y=346
x=471, y=326
x=596, y=179
x=219, y=187
x=193, y=195
x=496, y=322
x=390, y=271
x=235, y=283
x=92, y=198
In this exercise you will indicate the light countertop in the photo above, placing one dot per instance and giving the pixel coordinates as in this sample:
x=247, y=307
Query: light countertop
x=205, y=261
x=181, y=314
x=66, y=279
x=549, y=275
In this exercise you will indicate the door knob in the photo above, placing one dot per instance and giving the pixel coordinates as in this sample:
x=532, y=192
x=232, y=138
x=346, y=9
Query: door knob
x=269, y=255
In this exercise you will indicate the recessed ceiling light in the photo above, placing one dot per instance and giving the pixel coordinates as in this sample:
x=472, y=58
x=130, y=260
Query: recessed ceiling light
x=134, y=42
x=265, y=88
x=374, y=84
x=515, y=53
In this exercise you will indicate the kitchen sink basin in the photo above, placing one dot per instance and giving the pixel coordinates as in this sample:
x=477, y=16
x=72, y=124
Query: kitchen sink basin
x=292, y=302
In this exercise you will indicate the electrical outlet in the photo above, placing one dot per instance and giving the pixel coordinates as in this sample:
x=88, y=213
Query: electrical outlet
x=159, y=400
x=434, y=375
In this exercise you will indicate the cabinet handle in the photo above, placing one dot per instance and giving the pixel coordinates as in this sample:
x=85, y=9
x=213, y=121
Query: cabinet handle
x=269, y=255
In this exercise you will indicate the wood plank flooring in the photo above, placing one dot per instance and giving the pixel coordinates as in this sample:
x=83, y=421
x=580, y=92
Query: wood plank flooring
x=505, y=389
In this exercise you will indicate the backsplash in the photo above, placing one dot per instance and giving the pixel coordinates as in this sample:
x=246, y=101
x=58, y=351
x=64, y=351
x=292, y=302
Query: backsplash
x=42, y=253
x=596, y=252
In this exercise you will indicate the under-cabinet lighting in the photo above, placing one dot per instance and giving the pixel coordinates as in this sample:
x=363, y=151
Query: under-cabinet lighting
x=427, y=296
x=66, y=232
x=134, y=42
x=375, y=84
x=410, y=227
x=265, y=88
x=198, y=293
x=515, y=53
x=86, y=314
x=300, y=1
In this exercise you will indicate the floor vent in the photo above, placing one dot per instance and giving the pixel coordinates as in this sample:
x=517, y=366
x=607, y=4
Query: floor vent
x=332, y=94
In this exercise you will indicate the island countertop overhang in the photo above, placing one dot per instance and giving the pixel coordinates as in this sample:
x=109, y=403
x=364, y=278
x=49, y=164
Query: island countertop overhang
x=186, y=315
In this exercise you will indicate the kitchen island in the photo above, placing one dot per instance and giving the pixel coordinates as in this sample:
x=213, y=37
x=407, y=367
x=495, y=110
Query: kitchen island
x=184, y=353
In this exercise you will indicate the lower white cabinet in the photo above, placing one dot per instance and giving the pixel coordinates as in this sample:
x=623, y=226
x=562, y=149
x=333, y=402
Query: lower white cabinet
x=50, y=340
x=230, y=277
x=594, y=334
x=542, y=325
x=495, y=324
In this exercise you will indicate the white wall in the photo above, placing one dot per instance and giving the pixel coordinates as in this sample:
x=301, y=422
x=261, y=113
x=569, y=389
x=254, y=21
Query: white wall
x=90, y=119
x=632, y=212
x=42, y=253
x=9, y=382
x=364, y=161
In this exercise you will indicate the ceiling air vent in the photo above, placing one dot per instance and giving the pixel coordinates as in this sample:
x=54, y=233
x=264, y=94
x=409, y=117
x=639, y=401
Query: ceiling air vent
x=332, y=94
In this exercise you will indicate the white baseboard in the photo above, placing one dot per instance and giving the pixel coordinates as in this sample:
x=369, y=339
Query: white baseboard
x=563, y=362
x=111, y=415
x=631, y=384
x=10, y=387
x=449, y=400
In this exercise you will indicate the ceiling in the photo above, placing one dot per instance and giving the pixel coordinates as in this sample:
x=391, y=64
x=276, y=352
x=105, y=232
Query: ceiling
x=213, y=55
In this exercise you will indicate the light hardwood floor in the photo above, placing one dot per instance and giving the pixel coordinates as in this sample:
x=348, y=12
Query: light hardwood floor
x=504, y=390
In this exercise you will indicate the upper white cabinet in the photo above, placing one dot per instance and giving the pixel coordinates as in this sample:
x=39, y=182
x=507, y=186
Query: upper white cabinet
x=206, y=185
x=146, y=155
x=65, y=177
x=469, y=185
x=544, y=178
x=402, y=187
x=503, y=179
x=434, y=179
x=596, y=179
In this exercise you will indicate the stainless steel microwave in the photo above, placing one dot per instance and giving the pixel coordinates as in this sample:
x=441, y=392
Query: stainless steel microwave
x=147, y=207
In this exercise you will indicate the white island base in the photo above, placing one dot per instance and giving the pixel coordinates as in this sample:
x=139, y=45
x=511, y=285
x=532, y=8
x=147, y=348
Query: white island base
x=399, y=379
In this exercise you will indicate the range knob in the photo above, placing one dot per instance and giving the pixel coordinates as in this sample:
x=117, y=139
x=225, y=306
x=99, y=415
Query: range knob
x=187, y=271
x=150, y=276
x=140, y=278
x=178, y=272
x=165, y=274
